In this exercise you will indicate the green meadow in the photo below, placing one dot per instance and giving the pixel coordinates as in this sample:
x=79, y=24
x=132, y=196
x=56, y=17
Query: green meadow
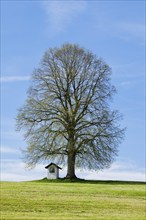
x=65, y=200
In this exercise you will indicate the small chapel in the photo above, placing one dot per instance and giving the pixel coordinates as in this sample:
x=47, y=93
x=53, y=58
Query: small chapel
x=52, y=171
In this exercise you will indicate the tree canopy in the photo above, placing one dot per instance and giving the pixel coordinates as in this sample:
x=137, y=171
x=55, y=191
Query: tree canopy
x=67, y=117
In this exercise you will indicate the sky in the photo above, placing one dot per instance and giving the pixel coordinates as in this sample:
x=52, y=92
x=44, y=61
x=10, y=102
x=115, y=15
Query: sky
x=113, y=30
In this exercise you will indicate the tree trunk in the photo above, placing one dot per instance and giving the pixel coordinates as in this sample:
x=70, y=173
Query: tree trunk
x=71, y=166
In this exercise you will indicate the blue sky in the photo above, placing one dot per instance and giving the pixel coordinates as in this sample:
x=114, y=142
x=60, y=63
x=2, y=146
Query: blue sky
x=115, y=31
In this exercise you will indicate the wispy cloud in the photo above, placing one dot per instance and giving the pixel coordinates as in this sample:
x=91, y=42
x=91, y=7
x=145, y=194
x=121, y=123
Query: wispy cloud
x=5, y=79
x=132, y=29
x=11, y=135
x=14, y=78
x=122, y=170
x=117, y=175
x=119, y=171
x=61, y=13
x=10, y=171
x=9, y=150
x=129, y=31
x=122, y=29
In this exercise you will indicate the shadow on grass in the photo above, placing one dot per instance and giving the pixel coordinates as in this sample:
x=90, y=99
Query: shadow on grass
x=77, y=180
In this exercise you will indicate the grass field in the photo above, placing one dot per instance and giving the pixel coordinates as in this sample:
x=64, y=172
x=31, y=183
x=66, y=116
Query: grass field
x=59, y=200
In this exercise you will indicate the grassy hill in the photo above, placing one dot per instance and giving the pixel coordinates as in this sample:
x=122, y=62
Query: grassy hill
x=65, y=200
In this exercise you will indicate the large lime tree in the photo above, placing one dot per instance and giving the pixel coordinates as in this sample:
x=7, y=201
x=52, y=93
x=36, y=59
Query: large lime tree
x=67, y=117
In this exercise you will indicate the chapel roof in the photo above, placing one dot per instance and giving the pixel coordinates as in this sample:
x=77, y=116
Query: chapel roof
x=53, y=165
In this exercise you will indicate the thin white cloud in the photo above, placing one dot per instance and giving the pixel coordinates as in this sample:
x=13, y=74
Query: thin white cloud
x=5, y=79
x=9, y=150
x=61, y=13
x=128, y=74
x=122, y=29
x=129, y=31
x=133, y=29
x=125, y=170
x=14, y=170
x=131, y=83
x=11, y=135
x=122, y=175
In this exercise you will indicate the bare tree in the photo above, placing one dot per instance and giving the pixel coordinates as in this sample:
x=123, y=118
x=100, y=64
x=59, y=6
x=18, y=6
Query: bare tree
x=66, y=116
